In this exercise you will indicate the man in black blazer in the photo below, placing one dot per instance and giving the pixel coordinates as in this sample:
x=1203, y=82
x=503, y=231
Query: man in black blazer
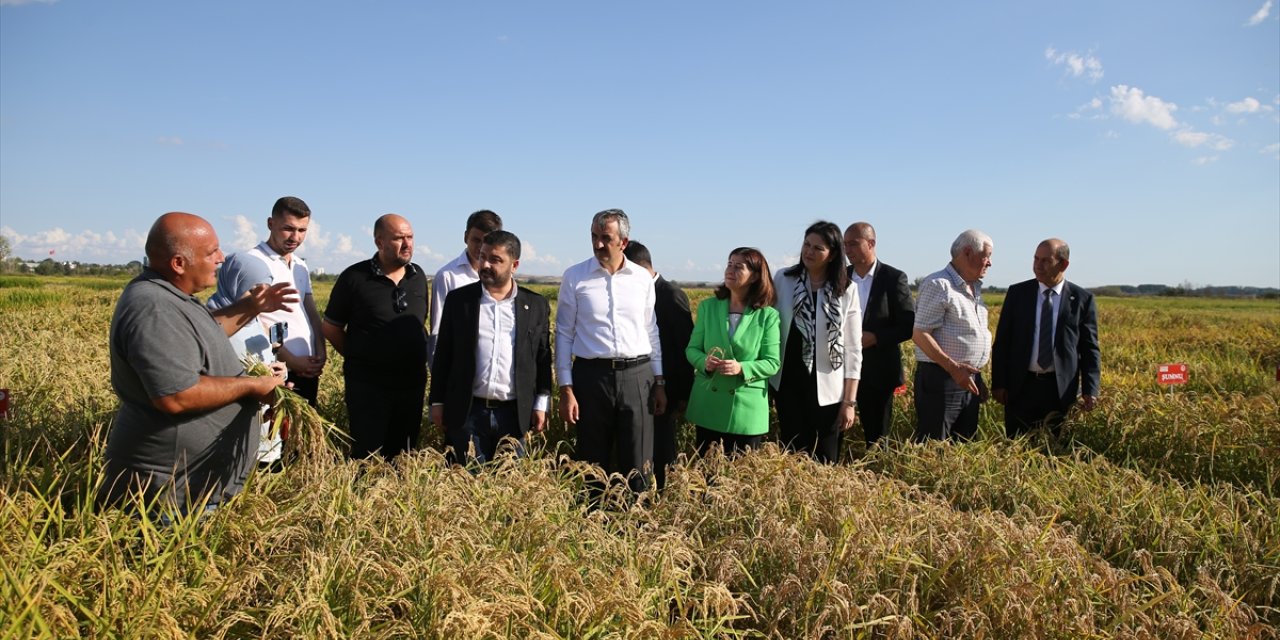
x=491, y=376
x=1038, y=380
x=675, y=325
x=888, y=316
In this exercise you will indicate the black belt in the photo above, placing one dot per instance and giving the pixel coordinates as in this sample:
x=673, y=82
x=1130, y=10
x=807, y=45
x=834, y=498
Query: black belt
x=490, y=403
x=1041, y=375
x=613, y=363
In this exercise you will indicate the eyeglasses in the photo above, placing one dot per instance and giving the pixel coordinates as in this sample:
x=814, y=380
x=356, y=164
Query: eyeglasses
x=738, y=266
x=399, y=299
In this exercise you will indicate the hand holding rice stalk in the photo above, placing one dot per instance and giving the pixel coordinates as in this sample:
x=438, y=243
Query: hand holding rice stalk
x=310, y=436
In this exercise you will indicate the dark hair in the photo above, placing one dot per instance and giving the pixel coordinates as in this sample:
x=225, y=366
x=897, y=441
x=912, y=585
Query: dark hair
x=506, y=240
x=761, y=294
x=292, y=206
x=831, y=236
x=484, y=220
x=639, y=254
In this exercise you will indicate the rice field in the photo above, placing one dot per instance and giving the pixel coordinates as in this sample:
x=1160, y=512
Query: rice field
x=1157, y=516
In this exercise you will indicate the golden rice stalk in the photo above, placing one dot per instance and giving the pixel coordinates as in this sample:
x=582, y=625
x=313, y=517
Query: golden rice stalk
x=310, y=436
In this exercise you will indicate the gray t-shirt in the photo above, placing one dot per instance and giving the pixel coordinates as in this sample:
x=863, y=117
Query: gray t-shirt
x=162, y=341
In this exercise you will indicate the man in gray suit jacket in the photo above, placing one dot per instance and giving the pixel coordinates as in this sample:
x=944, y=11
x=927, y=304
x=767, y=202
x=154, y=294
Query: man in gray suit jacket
x=1046, y=347
x=491, y=376
x=888, y=316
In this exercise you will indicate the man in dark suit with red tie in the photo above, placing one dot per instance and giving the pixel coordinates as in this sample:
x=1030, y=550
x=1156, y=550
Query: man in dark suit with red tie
x=1046, y=347
x=491, y=375
x=888, y=316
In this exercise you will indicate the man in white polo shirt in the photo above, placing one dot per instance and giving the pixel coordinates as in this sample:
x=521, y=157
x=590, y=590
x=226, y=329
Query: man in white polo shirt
x=274, y=261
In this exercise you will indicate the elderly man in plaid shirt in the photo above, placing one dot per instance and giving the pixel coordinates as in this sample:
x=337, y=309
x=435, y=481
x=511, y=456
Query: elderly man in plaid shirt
x=952, y=342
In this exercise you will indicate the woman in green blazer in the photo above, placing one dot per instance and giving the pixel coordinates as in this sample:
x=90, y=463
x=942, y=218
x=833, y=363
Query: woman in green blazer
x=734, y=350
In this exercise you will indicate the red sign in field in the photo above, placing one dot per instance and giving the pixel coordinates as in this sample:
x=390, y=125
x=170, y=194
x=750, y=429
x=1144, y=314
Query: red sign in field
x=1172, y=374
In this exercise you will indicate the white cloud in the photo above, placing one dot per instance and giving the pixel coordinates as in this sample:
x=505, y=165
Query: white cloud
x=529, y=254
x=170, y=140
x=1271, y=149
x=246, y=235
x=87, y=245
x=1248, y=105
x=1087, y=110
x=1077, y=65
x=1204, y=160
x=1191, y=138
x=1130, y=104
x=1261, y=14
x=14, y=3
x=1111, y=134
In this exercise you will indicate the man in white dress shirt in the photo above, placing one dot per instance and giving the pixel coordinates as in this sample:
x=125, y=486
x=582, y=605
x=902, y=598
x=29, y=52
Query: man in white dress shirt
x=491, y=378
x=608, y=356
x=462, y=271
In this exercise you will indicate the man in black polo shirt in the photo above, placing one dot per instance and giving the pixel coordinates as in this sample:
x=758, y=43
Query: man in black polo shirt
x=376, y=319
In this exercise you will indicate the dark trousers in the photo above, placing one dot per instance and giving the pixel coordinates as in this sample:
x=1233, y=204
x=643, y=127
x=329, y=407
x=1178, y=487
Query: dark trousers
x=875, y=411
x=1036, y=403
x=308, y=388
x=615, y=424
x=732, y=443
x=944, y=409
x=385, y=412
x=476, y=440
x=803, y=424
x=665, y=428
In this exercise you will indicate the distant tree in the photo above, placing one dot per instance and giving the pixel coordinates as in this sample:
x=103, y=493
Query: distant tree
x=49, y=267
x=4, y=249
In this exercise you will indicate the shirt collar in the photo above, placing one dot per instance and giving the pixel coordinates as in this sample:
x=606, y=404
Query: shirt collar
x=485, y=296
x=154, y=276
x=627, y=266
x=268, y=251
x=409, y=269
x=871, y=273
x=1057, y=288
x=959, y=281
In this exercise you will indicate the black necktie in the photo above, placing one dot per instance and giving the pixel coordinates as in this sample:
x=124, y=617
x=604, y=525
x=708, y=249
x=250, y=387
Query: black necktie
x=1044, y=357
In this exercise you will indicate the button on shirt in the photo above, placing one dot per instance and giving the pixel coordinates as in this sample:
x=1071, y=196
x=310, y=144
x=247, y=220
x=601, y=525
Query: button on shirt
x=1035, y=338
x=457, y=273
x=495, y=351
x=864, y=286
x=603, y=315
x=956, y=320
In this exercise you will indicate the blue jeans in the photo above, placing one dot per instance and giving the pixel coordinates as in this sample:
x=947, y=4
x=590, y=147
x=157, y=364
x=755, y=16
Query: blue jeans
x=477, y=440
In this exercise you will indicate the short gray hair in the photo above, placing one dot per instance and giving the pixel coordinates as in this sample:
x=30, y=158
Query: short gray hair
x=614, y=215
x=971, y=239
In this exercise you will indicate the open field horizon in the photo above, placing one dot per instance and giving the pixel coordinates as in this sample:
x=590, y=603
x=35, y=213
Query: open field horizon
x=1157, y=516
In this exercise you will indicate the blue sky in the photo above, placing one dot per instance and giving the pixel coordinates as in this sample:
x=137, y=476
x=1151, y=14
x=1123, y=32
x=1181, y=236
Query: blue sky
x=1146, y=134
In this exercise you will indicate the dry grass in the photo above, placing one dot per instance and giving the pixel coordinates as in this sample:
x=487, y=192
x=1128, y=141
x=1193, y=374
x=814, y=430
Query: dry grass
x=1160, y=521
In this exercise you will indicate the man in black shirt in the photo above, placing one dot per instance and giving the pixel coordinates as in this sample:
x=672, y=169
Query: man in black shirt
x=376, y=319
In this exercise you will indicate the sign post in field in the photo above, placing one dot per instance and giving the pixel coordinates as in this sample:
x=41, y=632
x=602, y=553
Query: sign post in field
x=1171, y=375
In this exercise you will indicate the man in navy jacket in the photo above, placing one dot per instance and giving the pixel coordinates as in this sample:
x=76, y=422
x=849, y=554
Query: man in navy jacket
x=1046, y=347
